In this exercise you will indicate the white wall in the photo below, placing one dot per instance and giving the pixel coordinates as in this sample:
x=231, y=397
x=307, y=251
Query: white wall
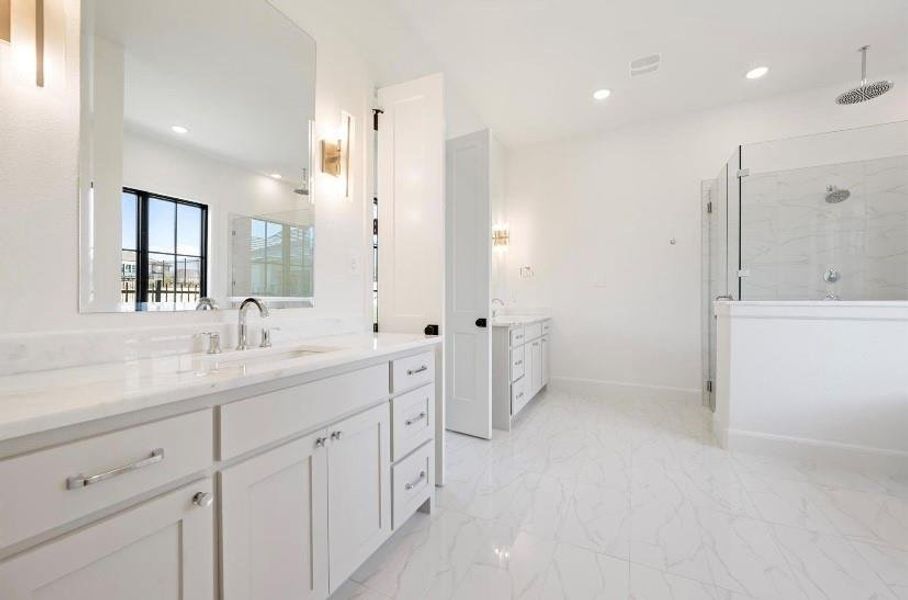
x=594, y=218
x=814, y=380
x=38, y=178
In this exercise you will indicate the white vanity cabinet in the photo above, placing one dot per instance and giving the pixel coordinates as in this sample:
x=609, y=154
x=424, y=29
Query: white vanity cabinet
x=274, y=523
x=312, y=477
x=520, y=366
x=162, y=549
x=359, y=490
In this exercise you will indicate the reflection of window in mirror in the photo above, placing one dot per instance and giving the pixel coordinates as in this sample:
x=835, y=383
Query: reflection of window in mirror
x=164, y=252
x=272, y=259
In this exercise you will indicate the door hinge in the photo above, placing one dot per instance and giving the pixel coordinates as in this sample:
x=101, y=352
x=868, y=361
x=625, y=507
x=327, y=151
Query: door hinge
x=374, y=226
x=743, y=173
x=375, y=113
x=709, y=207
x=709, y=385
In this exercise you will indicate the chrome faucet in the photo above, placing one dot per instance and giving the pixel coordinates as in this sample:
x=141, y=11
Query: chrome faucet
x=206, y=303
x=499, y=301
x=242, y=331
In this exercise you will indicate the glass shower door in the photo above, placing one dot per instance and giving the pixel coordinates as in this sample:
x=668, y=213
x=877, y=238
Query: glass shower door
x=721, y=212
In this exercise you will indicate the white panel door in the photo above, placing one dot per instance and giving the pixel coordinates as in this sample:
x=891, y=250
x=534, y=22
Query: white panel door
x=534, y=383
x=359, y=490
x=411, y=205
x=468, y=341
x=411, y=257
x=162, y=549
x=274, y=520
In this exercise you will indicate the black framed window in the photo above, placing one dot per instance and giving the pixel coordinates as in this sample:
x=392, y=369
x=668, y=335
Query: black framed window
x=164, y=261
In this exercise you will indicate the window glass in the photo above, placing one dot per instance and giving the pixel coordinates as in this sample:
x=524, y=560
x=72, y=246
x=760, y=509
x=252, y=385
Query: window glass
x=129, y=211
x=189, y=230
x=161, y=225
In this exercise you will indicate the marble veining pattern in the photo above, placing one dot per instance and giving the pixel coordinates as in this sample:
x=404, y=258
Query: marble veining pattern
x=790, y=235
x=629, y=498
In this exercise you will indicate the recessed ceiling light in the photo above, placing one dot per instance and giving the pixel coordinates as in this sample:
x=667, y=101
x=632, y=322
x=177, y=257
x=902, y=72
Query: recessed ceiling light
x=757, y=72
x=275, y=176
x=602, y=94
x=179, y=129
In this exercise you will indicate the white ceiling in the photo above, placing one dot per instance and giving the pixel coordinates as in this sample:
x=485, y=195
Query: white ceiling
x=529, y=67
x=242, y=82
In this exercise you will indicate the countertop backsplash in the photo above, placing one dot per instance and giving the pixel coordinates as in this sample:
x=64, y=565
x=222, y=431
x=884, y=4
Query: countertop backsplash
x=40, y=351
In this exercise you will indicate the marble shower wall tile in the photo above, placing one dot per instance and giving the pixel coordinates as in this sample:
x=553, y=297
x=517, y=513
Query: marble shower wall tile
x=790, y=235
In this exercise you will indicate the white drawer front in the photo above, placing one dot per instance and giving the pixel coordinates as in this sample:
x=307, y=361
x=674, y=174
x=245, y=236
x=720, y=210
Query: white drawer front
x=52, y=487
x=253, y=422
x=520, y=395
x=412, y=371
x=412, y=420
x=518, y=363
x=533, y=331
x=518, y=336
x=412, y=483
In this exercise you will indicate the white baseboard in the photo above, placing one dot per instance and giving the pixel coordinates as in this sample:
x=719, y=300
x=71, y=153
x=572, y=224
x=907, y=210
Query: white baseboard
x=599, y=387
x=849, y=455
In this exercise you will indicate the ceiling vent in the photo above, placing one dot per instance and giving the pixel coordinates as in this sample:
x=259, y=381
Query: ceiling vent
x=645, y=65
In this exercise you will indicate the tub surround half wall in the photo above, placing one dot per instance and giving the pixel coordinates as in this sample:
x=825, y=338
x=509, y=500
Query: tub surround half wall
x=822, y=380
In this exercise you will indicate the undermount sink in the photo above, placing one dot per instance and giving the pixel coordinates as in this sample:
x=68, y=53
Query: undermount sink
x=246, y=359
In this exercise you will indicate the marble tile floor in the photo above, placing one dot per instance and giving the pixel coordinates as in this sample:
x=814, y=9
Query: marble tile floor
x=630, y=498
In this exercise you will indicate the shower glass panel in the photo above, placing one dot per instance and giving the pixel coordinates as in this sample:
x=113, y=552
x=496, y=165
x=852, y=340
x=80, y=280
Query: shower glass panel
x=825, y=217
x=719, y=260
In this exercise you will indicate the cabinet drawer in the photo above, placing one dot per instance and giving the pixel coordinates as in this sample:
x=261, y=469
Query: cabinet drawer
x=412, y=483
x=520, y=395
x=412, y=371
x=518, y=363
x=52, y=487
x=253, y=422
x=533, y=331
x=518, y=336
x=412, y=421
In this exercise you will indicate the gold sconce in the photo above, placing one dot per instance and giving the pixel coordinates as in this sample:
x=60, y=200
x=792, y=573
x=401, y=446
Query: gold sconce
x=501, y=237
x=6, y=21
x=331, y=157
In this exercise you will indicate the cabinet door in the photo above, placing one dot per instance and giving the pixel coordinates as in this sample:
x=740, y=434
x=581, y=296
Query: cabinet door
x=162, y=549
x=359, y=491
x=545, y=360
x=535, y=382
x=274, y=523
x=529, y=374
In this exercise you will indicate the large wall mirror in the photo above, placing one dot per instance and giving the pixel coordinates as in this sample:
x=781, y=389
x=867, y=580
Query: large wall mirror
x=196, y=155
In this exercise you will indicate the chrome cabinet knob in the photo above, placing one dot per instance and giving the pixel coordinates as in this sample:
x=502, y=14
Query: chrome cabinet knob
x=203, y=499
x=320, y=442
x=336, y=435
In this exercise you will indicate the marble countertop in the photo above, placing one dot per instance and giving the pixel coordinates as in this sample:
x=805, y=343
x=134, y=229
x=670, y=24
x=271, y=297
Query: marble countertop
x=45, y=400
x=511, y=320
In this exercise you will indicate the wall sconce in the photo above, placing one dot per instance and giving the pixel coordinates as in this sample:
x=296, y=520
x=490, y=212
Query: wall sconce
x=501, y=237
x=331, y=157
x=6, y=21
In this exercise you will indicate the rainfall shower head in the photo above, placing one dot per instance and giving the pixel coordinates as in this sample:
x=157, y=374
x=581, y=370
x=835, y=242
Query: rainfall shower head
x=834, y=195
x=865, y=91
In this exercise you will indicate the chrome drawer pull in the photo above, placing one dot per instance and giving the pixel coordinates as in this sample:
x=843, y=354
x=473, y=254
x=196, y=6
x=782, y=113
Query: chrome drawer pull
x=416, y=419
x=81, y=481
x=518, y=363
x=520, y=395
x=419, y=370
x=413, y=484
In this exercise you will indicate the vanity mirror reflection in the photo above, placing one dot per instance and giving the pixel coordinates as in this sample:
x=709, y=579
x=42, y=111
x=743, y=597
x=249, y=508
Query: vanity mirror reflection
x=195, y=155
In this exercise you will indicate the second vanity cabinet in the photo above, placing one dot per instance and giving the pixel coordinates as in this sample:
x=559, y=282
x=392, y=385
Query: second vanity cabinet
x=300, y=485
x=520, y=367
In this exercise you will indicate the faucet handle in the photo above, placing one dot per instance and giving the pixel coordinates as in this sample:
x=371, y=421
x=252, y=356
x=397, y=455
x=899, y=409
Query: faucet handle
x=214, y=341
x=266, y=336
